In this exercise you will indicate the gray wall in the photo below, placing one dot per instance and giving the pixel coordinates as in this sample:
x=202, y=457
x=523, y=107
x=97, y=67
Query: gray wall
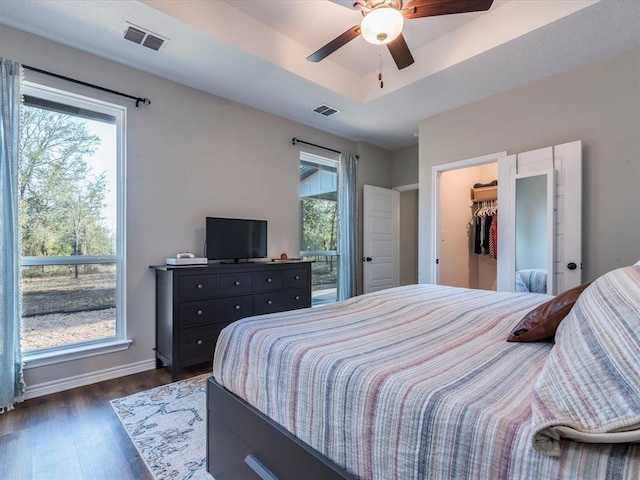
x=189, y=155
x=409, y=237
x=404, y=166
x=598, y=104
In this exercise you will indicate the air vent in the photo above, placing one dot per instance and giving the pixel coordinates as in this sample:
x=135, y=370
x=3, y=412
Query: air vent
x=153, y=42
x=325, y=110
x=134, y=35
x=142, y=37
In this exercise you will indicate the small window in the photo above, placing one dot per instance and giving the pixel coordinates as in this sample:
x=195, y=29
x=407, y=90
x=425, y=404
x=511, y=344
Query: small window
x=71, y=205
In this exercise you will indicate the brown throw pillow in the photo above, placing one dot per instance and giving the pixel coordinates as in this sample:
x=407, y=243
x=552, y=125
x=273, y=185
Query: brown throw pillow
x=541, y=322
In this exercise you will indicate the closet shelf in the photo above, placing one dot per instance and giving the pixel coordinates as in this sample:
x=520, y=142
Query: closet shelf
x=482, y=194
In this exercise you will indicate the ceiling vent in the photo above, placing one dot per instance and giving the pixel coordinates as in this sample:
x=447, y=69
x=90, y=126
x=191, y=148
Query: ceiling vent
x=325, y=110
x=143, y=37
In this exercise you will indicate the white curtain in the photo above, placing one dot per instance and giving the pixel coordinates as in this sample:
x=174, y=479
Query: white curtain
x=11, y=379
x=347, y=227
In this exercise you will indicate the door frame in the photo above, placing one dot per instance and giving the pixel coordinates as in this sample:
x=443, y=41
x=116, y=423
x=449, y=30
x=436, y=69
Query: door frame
x=436, y=172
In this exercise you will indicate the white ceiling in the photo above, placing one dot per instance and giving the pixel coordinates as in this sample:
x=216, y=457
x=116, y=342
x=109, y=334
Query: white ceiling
x=254, y=52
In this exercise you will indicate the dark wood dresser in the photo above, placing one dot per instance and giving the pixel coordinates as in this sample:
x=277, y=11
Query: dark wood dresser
x=194, y=303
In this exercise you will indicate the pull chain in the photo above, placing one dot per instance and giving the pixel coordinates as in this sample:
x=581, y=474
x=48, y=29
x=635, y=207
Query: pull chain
x=380, y=65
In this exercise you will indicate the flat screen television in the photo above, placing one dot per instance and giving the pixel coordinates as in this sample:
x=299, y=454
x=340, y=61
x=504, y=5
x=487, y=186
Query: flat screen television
x=235, y=239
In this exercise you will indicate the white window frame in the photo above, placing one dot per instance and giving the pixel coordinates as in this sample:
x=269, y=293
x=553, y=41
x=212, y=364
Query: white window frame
x=118, y=342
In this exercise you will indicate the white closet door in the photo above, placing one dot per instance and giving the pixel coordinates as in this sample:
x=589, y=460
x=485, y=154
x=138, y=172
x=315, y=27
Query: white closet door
x=566, y=160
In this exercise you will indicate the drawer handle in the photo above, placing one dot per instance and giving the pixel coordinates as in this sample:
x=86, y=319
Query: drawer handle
x=297, y=297
x=297, y=277
x=237, y=307
x=236, y=283
x=263, y=472
x=199, y=342
x=269, y=280
x=269, y=302
x=199, y=286
x=199, y=312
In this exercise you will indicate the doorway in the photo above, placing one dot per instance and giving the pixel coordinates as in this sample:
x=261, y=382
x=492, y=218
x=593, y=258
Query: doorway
x=456, y=264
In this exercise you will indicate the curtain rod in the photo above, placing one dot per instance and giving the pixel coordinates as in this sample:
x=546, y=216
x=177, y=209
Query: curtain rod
x=295, y=140
x=139, y=100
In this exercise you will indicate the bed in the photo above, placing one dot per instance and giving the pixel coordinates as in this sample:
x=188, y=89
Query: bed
x=418, y=382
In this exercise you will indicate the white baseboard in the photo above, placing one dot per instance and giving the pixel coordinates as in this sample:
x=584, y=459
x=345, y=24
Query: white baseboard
x=55, y=386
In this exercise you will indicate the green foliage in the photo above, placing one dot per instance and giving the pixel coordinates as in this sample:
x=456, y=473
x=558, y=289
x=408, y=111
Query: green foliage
x=319, y=224
x=61, y=198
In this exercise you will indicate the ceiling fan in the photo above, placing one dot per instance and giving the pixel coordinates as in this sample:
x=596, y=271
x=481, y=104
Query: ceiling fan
x=383, y=20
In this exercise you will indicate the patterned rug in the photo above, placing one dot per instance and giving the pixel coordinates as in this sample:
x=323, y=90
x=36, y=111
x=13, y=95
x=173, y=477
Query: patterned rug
x=167, y=425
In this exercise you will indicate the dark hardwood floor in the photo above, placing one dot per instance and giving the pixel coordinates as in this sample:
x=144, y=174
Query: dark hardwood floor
x=76, y=434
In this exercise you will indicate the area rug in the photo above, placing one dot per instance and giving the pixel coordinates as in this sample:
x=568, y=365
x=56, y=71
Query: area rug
x=167, y=425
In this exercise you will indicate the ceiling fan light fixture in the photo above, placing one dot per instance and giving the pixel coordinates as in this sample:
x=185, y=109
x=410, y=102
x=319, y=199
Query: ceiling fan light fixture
x=382, y=25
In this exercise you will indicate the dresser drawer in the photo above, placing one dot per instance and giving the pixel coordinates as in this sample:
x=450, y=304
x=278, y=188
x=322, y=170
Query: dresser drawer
x=197, y=286
x=281, y=301
x=218, y=310
x=296, y=277
x=266, y=281
x=197, y=313
x=234, y=308
x=198, y=343
x=236, y=283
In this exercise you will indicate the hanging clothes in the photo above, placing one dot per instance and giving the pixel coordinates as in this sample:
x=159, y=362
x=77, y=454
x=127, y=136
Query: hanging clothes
x=477, y=242
x=493, y=238
x=486, y=233
x=486, y=229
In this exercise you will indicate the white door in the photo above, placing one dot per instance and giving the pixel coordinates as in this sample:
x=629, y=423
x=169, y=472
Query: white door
x=381, y=234
x=566, y=161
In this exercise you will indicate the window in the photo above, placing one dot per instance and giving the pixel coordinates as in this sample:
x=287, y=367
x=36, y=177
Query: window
x=71, y=204
x=319, y=224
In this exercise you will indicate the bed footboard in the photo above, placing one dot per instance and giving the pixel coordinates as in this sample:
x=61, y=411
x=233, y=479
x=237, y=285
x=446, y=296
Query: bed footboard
x=243, y=443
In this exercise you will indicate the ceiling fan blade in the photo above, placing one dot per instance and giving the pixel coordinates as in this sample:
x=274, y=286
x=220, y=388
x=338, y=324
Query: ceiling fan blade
x=335, y=44
x=430, y=8
x=400, y=52
x=345, y=3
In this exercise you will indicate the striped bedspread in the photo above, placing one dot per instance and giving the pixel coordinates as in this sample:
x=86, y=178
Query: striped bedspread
x=415, y=382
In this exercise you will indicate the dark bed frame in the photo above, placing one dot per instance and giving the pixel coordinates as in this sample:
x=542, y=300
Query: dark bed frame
x=243, y=443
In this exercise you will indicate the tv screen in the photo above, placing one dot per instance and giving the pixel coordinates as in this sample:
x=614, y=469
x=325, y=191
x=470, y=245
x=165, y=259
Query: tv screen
x=235, y=238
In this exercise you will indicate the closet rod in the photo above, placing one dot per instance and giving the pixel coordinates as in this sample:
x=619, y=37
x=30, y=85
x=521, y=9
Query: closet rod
x=139, y=100
x=295, y=140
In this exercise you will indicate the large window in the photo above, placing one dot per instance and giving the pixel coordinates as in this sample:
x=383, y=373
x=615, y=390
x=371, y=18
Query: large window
x=71, y=202
x=319, y=224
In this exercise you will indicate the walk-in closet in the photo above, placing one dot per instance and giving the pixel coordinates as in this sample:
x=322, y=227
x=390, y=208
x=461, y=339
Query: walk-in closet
x=467, y=253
